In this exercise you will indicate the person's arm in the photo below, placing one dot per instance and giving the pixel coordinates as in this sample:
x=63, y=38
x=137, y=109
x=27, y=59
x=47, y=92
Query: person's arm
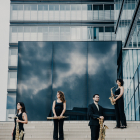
x=91, y=113
x=24, y=116
x=121, y=93
x=53, y=109
x=64, y=109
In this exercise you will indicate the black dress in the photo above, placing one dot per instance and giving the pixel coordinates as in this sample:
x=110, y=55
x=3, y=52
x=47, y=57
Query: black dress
x=119, y=110
x=58, y=123
x=20, y=125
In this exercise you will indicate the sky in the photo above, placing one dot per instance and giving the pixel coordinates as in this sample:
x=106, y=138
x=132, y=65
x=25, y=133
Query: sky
x=4, y=45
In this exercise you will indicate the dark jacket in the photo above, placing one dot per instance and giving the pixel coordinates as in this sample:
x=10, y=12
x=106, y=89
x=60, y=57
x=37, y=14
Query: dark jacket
x=93, y=114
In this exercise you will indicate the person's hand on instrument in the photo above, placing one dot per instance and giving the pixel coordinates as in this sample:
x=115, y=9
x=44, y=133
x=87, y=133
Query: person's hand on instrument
x=17, y=120
x=114, y=100
x=55, y=116
x=61, y=116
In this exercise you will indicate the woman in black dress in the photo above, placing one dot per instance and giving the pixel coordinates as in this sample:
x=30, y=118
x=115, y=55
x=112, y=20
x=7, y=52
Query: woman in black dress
x=22, y=118
x=119, y=106
x=59, y=108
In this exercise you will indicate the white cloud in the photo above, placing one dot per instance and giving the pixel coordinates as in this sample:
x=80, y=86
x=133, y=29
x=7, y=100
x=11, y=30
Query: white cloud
x=76, y=62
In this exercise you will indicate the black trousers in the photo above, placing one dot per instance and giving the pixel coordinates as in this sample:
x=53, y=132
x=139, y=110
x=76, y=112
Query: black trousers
x=120, y=115
x=95, y=132
x=58, y=124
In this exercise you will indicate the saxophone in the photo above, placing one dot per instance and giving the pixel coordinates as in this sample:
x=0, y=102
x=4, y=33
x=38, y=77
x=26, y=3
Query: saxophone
x=102, y=130
x=112, y=96
x=18, y=135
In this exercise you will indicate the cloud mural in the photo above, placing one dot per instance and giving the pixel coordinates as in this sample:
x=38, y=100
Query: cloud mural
x=79, y=69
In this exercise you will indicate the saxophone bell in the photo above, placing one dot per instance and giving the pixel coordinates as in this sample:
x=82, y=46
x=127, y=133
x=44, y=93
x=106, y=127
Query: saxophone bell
x=112, y=97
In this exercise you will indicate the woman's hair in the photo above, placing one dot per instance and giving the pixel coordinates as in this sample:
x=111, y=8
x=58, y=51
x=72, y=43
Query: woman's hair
x=62, y=96
x=121, y=81
x=23, y=107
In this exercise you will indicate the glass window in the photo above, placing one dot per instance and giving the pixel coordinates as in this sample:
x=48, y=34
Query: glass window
x=12, y=80
x=78, y=7
x=33, y=29
x=51, y=7
x=129, y=118
x=135, y=59
x=133, y=108
x=139, y=74
x=101, y=29
x=62, y=7
x=40, y=29
x=26, y=7
x=20, y=7
x=67, y=7
x=106, y=7
x=109, y=29
x=136, y=80
x=84, y=7
x=26, y=29
x=34, y=7
x=111, y=7
x=45, y=7
x=100, y=7
x=14, y=29
x=95, y=7
x=136, y=99
x=73, y=7
x=15, y=7
x=11, y=101
x=56, y=7
x=40, y=7
x=138, y=114
x=13, y=54
x=89, y=7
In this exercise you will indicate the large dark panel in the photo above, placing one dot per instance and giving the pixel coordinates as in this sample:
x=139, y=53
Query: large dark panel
x=70, y=72
x=102, y=70
x=35, y=78
x=79, y=69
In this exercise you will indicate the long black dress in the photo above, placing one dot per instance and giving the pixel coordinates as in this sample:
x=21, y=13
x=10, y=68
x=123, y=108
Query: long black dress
x=58, y=123
x=119, y=110
x=20, y=125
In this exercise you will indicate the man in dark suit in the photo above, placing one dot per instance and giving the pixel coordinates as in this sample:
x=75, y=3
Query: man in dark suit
x=95, y=111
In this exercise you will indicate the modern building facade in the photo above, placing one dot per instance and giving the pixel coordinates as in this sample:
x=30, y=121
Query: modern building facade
x=127, y=29
x=52, y=20
x=78, y=20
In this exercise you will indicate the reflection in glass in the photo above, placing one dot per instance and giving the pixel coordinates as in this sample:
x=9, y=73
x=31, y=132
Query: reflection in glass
x=77, y=33
x=13, y=54
x=12, y=80
x=11, y=101
x=48, y=12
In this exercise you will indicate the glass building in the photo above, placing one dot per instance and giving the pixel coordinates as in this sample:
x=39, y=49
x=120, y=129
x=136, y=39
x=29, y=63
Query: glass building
x=79, y=20
x=127, y=28
x=54, y=20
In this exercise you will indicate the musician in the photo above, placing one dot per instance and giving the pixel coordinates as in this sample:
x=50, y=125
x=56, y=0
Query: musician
x=95, y=111
x=59, y=108
x=22, y=118
x=119, y=106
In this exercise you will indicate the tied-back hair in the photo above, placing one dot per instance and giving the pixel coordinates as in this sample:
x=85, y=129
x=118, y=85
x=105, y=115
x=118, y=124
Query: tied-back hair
x=23, y=107
x=62, y=96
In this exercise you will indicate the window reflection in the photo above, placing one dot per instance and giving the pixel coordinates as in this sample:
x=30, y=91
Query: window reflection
x=77, y=33
x=80, y=11
x=13, y=54
x=12, y=80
